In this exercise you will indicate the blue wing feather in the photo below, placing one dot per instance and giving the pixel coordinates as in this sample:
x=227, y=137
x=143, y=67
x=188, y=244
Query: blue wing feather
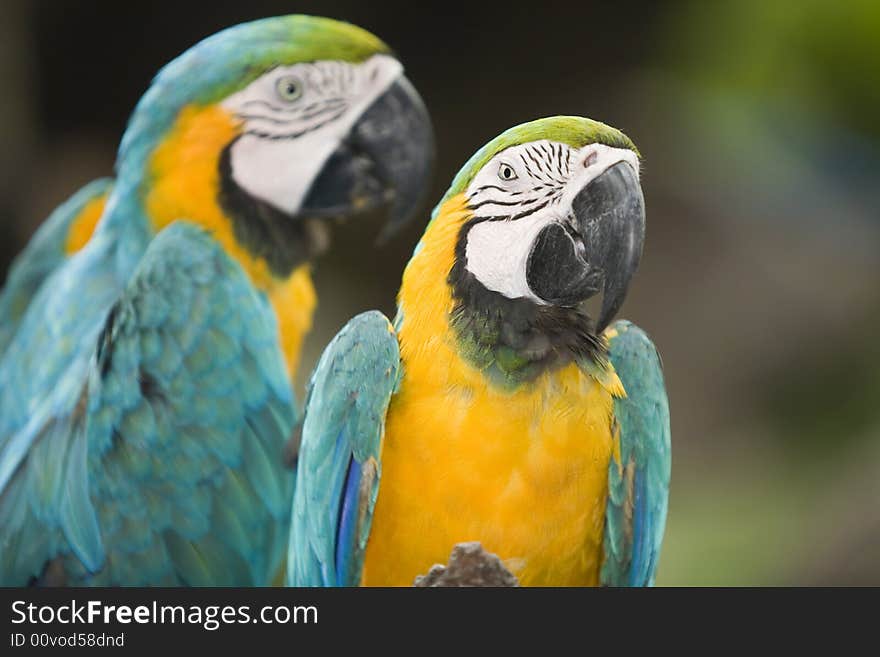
x=169, y=437
x=638, y=483
x=338, y=472
x=348, y=520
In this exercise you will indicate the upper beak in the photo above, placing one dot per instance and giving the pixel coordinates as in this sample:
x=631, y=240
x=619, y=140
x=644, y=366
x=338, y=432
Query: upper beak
x=610, y=213
x=387, y=157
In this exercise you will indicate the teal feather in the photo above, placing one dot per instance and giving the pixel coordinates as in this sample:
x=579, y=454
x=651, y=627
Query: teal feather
x=348, y=397
x=638, y=486
x=125, y=487
x=187, y=559
x=43, y=255
x=263, y=471
x=76, y=515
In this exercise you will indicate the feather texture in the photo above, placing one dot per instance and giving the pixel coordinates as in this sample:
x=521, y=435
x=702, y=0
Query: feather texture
x=48, y=249
x=339, y=469
x=165, y=464
x=638, y=475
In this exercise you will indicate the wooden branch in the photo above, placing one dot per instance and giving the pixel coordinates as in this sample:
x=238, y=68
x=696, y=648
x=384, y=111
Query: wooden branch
x=469, y=565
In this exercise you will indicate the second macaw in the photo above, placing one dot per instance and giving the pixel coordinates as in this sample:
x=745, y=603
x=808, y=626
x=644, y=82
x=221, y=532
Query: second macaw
x=495, y=408
x=151, y=328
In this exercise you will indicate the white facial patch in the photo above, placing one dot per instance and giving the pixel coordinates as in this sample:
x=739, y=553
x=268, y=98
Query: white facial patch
x=519, y=192
x=295, y=117
x=498, y=251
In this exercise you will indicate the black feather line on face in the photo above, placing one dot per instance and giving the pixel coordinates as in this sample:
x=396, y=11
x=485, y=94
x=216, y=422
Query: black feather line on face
x=333, y=104
x=526, y=165
x=510, y=217
x=261, y=117
x=497, y=188
x=492, y=201
x=532, y=157
x=299, y=133
x=262, y=103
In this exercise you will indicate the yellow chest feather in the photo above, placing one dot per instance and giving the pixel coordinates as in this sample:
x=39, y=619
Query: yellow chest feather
x=523, y=472
x=525, y=476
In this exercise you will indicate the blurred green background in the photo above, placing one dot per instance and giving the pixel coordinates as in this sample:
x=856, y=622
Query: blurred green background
x=760, y=127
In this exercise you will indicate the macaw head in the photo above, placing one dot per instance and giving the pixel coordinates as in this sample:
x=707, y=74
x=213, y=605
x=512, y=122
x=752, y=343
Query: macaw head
x=554, y=216
x=269, y=128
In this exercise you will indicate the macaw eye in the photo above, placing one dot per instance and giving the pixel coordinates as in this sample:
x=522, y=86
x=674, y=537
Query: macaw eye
x=506, y=172
x=288, y=88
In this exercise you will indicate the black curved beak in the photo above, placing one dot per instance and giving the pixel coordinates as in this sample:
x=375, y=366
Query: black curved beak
x=387, y=158
x=610, y=213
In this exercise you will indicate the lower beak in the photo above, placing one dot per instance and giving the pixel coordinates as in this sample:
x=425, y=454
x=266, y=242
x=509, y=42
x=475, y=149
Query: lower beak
x=386, y=158
x=610, y=214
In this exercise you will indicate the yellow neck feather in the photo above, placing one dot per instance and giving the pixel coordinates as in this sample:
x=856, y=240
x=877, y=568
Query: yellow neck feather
x=425, y=298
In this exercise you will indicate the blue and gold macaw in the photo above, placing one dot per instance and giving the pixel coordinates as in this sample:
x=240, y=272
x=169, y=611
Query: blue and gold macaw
x=151, y=328
x=495, y=409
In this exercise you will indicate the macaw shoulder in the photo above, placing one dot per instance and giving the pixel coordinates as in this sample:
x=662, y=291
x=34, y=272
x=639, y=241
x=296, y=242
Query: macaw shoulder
x=83, y=226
